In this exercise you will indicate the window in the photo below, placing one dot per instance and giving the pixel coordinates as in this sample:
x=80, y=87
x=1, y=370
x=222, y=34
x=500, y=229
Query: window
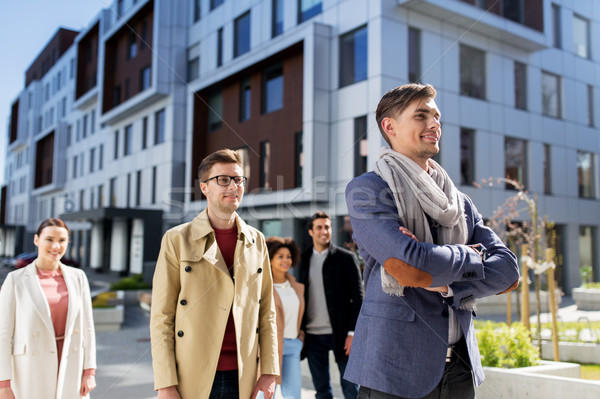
x=144, y=39
x=585, y=174
x=144, y=132
x=308, y=9
x=81, y=165
x=299, y=159
x=551, y=97
x=75, y=167
x=145, y=78
x=215, y=111
x=361, y=146
x=547, y=169
x=101, y=157
x=132, y=46
x=587, y=245
x=92, y=200
x=159, y=127
x=220, y=47
x=112, y=192
x=513, y=10
x=128, y=138
x=93, y=122
x=556, y=25
x=581, y=37
x=81, y=199
x=116, y=153
x=353, y=57
x=100, y=195
x=265, y=160
x=119, y=8
x=414, y=55
x=272, y=89
x=276, y=18
x=116, y=95
x=64, y=107
x=244, y=153
x=69, y=134
x=590, y=96
x=84, y=126
x=245, y=97
x=153, y=198
x=138, y=188
x=128, y=196
x=215, y=3
x=241, y=44
x=472, y=72
x=520, y=86
x=467, y=151
x=196, y=11
x=127, y=91
x=193, y=69
x=92, y=159
x=515, y=161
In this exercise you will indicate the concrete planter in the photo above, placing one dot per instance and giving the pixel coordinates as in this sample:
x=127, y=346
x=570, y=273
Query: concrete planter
x=573, y=352
x=548, y=380
x=110, y=319
x=496, y=305
x=587, y=298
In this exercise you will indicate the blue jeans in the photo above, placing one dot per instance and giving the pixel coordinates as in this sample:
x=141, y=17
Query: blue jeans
x=317, y=349
x=291, y=379
x=225, y=385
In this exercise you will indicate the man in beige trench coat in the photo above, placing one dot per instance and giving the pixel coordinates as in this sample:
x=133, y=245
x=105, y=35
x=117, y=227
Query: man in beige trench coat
x=212, y=298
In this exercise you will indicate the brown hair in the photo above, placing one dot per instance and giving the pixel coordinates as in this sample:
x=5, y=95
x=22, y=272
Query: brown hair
x=51, y=222
x=395, y=101
x=222, y=156
x=317, y=215
x=274, y=244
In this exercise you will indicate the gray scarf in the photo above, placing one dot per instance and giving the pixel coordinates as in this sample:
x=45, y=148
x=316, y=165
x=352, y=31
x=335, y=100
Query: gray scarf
x=417, y=193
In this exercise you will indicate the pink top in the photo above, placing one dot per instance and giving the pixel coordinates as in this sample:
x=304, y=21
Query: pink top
x=55, y=289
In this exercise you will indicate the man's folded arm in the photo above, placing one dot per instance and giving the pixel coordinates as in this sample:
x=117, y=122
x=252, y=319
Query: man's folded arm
x=375, y=223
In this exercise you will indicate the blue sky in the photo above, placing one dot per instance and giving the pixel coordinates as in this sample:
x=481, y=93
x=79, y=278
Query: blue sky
x=25, y=28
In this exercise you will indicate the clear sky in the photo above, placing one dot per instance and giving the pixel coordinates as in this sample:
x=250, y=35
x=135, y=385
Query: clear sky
x=25, y=28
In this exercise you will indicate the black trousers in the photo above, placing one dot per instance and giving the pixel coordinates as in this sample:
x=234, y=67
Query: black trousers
x=456, y=382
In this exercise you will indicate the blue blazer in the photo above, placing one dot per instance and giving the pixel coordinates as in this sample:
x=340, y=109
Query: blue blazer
x=400, y=343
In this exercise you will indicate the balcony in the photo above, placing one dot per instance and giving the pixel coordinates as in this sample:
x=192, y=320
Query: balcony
x=475, y=19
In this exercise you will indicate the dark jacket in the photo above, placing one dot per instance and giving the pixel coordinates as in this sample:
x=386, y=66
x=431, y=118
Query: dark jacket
x=344, y=292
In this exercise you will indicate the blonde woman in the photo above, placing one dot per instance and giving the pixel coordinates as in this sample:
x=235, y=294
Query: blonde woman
x=47, y=340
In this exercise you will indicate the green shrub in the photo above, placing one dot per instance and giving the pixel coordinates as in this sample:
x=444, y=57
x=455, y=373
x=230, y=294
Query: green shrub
x=507, y=347
x=590, y=286
x=133, y=282
x=105, y=300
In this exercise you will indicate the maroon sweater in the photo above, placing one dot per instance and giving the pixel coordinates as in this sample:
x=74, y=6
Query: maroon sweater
x=226, y=240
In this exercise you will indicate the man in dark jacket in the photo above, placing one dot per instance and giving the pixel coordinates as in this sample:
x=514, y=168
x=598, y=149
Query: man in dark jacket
x=334, y=293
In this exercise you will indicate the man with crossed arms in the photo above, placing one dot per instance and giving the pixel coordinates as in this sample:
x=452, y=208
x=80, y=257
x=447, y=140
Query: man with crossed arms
x=427, y=255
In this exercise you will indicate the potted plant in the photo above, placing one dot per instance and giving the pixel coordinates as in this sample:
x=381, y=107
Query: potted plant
x=587, y=296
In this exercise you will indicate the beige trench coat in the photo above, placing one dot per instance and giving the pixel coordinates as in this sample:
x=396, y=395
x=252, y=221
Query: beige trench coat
x=28, y=355
x=192, y=296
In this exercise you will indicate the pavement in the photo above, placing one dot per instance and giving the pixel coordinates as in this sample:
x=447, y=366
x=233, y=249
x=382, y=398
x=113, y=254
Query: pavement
x=125, y=362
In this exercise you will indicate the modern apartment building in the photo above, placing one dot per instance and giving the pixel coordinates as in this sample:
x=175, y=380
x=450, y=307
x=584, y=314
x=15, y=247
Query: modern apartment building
x=151, y=87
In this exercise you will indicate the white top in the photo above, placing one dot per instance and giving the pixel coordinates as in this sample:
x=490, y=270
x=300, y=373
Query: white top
x=317, y=316
x=291, y=307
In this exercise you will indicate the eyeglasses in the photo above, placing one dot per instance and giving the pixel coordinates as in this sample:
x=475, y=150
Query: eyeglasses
x=225, y=181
